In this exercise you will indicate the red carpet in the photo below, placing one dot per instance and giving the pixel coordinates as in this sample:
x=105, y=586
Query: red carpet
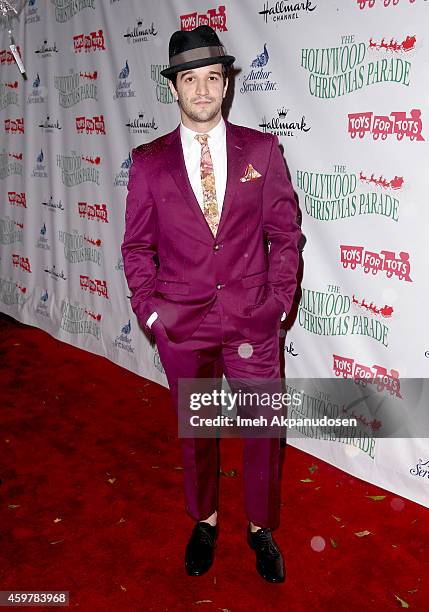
x=91, y=502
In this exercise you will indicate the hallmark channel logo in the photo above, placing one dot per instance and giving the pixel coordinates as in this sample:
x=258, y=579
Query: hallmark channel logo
x=123, y=86
x=67, y=9
x=43, y=242
x=377, y=375
x=74, y=173
x=12, y=293
x=385, y=261
x=39, y=170
x=94, y=41
x=42, y=307
x=163, y=93
x=123, y=341
x=95, y=286
x=8, y=94
x=215, y=18
x=283, y=125
x=329, y=196
x=258, y=79
x=121, y=178
x=93, y=212
x=36, y=96
x=140, y=125
x=52, y=204
x=79, y=247
x=17, y=198
x=53, y=273
x=31, y=12
x=77, y=319
x=91, y=125
x=75, y=87
x=10, y=164
x=14, y=126
x=329, y=314
x=337, y=71
x=382, y=126
x=22, y=262
x=49, y=126
x=286, y=10
x=139, y=32
x=46, y=49
x=10, y=231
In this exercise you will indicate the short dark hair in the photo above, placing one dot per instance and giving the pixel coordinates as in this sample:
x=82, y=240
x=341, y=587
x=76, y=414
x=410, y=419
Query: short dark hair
x=225, y=74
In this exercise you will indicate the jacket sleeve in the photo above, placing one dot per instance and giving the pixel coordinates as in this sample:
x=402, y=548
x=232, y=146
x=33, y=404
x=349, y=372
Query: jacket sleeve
x=140, y=239
x=279, y=219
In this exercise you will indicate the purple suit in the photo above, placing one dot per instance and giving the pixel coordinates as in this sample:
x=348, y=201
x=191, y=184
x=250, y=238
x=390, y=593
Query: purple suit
x=214, y=293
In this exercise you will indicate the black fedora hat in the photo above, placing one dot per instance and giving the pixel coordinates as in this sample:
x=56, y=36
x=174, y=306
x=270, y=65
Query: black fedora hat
x=195, y=48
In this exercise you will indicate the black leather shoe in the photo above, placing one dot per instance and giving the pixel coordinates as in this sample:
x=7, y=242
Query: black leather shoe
x=269, y=560
x=200, y=549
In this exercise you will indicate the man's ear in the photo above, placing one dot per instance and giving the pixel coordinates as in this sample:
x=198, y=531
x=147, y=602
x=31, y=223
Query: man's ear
x=225, y=87
x=173, y=89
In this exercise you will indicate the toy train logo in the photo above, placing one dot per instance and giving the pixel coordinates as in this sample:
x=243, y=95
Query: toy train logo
x=364, y=375
x=381, y=126
x=385, y=261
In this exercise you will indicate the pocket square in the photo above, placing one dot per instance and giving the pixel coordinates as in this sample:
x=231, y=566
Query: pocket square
x=250, y=175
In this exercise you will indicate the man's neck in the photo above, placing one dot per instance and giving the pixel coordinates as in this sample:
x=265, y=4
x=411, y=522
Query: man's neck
x=201, y=128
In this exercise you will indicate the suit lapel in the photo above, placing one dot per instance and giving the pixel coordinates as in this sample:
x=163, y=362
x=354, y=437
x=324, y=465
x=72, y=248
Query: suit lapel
x=235, y=169
x=175, y=163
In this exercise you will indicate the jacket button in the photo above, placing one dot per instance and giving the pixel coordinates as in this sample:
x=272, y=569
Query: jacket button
x=216, y=247
x=219, y=286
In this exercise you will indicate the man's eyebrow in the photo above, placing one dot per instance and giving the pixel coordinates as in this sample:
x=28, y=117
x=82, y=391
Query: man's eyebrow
x=184, y=74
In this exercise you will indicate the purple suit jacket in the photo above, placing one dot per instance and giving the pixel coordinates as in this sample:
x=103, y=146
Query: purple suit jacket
x=174, y=264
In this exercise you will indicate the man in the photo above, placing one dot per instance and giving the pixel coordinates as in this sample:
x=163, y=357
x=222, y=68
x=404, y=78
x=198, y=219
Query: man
x=202, y=202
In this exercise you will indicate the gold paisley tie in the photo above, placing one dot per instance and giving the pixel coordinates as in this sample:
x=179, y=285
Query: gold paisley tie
x=210, y=208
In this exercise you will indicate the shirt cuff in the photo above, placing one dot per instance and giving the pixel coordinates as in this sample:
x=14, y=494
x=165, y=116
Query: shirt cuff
x=284, y=315
x=151, y=319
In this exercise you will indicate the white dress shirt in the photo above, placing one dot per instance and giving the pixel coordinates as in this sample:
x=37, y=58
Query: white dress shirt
x=192, y=154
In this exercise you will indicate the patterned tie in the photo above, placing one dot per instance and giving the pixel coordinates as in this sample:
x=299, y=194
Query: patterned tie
x=210, y=208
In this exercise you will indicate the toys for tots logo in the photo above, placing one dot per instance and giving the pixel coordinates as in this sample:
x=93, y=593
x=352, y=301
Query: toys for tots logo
x=328, y=314
x=215, y=18
x=94, y=41
x=370, y=261
x=382, y=126
x=333, y=195
x=337, y=71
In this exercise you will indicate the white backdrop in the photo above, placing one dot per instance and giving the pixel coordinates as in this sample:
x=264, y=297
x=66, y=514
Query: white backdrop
x=343, y=83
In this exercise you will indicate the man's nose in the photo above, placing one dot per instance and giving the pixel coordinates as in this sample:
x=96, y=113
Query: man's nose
x=202, y=88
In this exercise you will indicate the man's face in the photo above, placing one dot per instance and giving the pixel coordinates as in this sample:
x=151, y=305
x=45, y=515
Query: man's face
x=200, y=93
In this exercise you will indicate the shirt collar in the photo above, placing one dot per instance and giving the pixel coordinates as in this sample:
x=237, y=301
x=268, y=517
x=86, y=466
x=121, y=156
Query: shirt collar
x=217, y=134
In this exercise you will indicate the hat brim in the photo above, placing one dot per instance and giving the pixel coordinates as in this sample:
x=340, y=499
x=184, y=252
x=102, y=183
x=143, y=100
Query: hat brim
x=227, y=60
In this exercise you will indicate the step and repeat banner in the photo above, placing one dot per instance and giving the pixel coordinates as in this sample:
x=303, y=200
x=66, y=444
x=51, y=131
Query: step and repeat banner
x=343, y=84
